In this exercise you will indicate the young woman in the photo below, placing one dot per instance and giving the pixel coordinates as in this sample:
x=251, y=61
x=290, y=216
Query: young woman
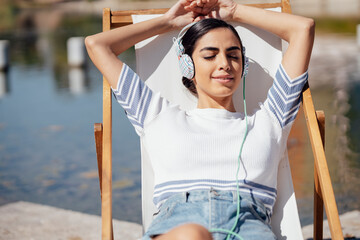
x=195, y=154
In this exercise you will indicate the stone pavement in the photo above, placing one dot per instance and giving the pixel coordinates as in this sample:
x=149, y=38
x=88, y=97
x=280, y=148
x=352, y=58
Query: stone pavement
x=350, y=223
x=24, y=220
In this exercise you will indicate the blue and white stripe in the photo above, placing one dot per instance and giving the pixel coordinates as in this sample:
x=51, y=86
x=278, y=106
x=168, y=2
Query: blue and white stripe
x=265, y=194
x=133, y=95
x=284, y=96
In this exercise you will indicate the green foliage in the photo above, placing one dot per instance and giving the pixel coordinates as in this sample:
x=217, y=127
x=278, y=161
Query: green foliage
x=337, y=25
x=79, y=25
x=8, y=11
x=72, y=26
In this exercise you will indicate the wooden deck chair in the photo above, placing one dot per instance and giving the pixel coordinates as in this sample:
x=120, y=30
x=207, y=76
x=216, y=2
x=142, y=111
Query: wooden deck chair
x=154, y=56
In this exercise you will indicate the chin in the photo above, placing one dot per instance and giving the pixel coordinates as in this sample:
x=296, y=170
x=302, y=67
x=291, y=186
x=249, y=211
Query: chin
x=224, y=92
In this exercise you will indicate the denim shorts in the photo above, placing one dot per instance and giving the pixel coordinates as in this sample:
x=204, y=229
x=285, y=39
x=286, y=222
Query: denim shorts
x=213, y=209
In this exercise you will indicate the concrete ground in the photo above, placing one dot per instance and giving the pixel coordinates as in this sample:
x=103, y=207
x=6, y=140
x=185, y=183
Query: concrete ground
x=24, y=220
x=350, y=223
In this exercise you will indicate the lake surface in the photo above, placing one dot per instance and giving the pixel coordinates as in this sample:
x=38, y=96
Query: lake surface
x=47, y=150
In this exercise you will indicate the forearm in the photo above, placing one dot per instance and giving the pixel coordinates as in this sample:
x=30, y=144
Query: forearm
x=120, y=39
x=298, y=31
x=284, y=25
x=103, y=48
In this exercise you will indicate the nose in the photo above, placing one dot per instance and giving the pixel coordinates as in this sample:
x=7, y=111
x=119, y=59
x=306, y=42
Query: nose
x=224, y=63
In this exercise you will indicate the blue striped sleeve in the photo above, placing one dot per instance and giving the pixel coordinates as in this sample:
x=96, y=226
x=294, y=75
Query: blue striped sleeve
x=284, y=96
x=134, y=96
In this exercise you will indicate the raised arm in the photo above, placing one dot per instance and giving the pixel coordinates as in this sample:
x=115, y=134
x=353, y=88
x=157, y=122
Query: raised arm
x=296, y=30
x=103, y=48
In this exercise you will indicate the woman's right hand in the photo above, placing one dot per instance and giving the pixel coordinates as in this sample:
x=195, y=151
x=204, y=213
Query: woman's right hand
x=181, y=14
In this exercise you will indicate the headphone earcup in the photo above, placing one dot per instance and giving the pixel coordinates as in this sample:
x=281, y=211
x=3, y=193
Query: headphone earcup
x=245, y=63
x=246, y=66
x=186, y=66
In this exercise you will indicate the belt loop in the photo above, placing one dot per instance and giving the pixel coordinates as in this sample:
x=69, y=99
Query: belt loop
x=235, y=196
x=213, y=191
x=187, y=196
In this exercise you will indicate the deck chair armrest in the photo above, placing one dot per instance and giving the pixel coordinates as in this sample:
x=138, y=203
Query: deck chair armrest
x=321, y=167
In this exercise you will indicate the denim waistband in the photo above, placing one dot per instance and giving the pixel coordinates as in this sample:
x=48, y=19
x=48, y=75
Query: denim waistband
x=204, y=195
x=213, y=196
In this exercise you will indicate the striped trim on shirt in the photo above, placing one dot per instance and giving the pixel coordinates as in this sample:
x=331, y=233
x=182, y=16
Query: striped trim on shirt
x=133, y=95
x=265, y=194
x=284, y=96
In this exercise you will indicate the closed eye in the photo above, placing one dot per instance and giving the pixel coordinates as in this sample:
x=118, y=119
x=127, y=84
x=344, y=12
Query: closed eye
x=209, y=57
x=234, y=57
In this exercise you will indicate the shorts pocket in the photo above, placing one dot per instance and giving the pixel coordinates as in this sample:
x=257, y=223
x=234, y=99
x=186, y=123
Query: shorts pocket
x=257, y=211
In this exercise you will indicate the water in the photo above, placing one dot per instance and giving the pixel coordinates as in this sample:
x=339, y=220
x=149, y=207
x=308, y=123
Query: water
x=47, y=152
x=46, y=129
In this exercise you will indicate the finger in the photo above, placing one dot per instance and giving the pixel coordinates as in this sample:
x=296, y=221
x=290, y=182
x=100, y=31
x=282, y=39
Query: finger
x=198, y=10
x=199, y=3
x=193, y=4
x=210, y=15
x=214, y=14
x=200, y=17
x=194, y=8
x=190, y=2
x=188, y=8
x=207, y=9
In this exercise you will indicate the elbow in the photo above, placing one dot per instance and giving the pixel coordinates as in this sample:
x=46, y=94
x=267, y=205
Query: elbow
x=93, y=47
x=308, y=27
x=303, y=30
x=90, y=43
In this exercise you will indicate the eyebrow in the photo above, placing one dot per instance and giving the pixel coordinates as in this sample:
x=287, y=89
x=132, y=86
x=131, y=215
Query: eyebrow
x=217, y=49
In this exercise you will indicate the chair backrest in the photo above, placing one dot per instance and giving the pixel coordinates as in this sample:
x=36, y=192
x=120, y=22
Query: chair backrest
x=157, y=64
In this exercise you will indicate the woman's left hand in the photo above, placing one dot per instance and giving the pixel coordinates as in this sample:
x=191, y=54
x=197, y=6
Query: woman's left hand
x=222, y=9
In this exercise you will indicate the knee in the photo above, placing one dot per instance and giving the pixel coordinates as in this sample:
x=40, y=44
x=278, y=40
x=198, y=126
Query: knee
x=191, y=231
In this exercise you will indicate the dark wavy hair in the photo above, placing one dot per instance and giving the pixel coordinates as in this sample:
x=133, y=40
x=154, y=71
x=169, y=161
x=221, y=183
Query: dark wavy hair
x=197, y=31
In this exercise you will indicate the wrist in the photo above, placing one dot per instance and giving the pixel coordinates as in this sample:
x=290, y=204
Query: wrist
x=169, y=21
x=166, y=23
x=237, y=13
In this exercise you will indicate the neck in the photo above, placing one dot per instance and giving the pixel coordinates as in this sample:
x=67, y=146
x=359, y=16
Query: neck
x=213, y=102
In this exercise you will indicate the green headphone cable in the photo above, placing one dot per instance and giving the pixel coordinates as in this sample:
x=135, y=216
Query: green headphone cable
x=231, y=232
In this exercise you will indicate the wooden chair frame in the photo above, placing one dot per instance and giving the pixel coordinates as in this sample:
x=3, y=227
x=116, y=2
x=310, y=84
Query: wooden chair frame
x=315, y=120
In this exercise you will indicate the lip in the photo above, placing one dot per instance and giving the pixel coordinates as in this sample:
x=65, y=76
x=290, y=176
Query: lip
x=223, y=78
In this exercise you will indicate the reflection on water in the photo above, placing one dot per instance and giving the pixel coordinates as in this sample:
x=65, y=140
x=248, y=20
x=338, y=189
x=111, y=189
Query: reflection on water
x=4, y=84
x=77, y=80
x=47, y=111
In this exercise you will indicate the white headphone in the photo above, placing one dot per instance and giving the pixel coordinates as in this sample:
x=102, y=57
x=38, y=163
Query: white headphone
x=185, y=62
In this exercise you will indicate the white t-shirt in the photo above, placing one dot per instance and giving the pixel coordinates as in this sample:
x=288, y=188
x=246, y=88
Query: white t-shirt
x=198, y=149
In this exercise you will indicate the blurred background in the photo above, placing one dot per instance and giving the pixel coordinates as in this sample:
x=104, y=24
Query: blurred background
x=48, y=105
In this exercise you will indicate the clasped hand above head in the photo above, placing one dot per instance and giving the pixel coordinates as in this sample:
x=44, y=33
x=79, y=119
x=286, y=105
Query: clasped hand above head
x=187, y=11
